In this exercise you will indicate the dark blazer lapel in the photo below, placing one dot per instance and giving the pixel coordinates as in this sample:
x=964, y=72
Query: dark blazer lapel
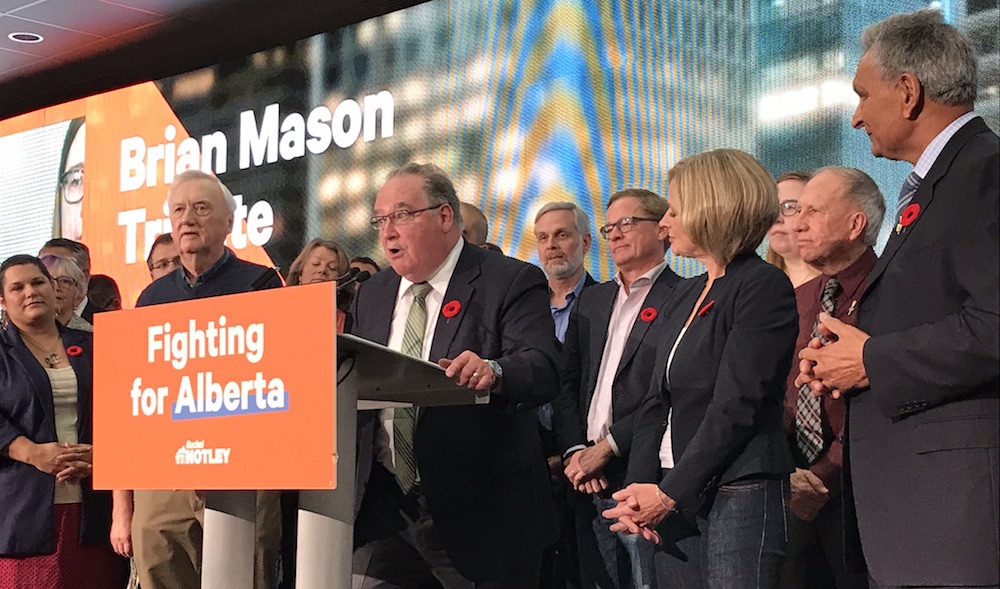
x=599, y=312
x=383, y=302
x=81, y=364
x=659, y=293
x=460, y=289
x=924, y=195
x=38, y=380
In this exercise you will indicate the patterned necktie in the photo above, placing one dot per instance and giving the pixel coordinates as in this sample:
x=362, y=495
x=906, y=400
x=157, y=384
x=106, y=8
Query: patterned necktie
x=808, y=426
x=404, y=419
x=906, y=193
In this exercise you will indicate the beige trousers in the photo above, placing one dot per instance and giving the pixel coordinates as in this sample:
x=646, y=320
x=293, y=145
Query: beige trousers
x=167, y=534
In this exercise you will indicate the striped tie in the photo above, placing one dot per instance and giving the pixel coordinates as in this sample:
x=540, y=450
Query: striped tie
x=404, y=419
x=808, y=425
x=906, y=194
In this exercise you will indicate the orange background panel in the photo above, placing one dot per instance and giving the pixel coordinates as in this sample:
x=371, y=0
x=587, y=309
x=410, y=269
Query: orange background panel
x=290, y=449
x=135, y=111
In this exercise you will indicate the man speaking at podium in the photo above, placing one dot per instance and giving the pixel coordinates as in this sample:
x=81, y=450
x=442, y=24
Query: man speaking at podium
x=458, y=493
x=167, y=525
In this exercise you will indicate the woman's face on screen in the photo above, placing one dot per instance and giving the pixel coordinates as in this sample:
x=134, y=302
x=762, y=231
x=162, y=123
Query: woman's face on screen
x=71, y=187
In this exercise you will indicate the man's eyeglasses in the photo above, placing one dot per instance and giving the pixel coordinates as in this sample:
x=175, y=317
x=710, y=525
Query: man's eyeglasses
x=400, y=217
x=789, y=208
x=164, y=264
x=65, y=282
x=71, y=185
x=625, y=224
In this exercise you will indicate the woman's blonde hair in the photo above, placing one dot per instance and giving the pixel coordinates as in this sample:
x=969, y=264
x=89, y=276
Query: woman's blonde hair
x=727, y=201
x=295, y=271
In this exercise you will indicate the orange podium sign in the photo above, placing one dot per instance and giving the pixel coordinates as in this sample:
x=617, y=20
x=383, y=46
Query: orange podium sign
x=225, y=393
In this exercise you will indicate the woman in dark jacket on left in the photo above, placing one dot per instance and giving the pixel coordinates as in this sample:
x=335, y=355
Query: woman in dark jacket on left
x=54, y=529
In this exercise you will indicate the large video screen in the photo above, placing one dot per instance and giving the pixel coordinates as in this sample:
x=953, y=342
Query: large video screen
x=522, y=103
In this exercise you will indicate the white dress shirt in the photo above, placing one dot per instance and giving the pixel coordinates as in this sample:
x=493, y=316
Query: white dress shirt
x=384, y=447
x=666, y=442
x=934, y=148
x=628, y=304
x=82, y=306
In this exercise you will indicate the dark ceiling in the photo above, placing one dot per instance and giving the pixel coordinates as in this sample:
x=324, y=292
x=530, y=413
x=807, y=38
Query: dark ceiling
x=92, y=46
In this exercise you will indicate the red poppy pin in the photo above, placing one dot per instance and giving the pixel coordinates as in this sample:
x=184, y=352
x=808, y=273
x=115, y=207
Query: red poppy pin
x=909, y=215
x=74, y=350
x=451, y=308
x=708, y=307
x=647, y=314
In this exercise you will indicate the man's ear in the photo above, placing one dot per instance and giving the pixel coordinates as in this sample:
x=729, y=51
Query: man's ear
x=911, y=93
x=447, y=218
x=661, y=233
x=859, y=222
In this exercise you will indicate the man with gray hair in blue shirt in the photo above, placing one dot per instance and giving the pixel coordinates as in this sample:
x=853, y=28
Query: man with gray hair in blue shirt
x=562, y=236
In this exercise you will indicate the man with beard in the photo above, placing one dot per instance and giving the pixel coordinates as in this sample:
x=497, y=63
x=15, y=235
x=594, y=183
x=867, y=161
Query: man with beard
x=606, y=366
x=562, y=237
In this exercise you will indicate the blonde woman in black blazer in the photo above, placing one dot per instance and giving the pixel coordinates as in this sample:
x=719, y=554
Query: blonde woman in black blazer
x=709, y=488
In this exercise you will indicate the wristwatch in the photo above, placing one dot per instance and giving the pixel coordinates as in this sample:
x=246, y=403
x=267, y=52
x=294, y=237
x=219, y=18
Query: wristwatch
x=497, y=373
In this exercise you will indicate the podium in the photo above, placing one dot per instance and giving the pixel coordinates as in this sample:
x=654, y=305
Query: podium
x=236, y=415
x=370, y=376
x=373, y=377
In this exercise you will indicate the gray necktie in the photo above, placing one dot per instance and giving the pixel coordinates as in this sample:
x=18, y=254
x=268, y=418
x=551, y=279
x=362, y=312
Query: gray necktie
x=906, y=193
x=808, y=425
x=404, y=419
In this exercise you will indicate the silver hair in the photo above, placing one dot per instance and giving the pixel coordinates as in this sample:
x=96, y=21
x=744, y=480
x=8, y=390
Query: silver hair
x=66, y=266
x=863, y=191
x=189, y=175
x=921, y=43
x=580, y=217
x=437, y=186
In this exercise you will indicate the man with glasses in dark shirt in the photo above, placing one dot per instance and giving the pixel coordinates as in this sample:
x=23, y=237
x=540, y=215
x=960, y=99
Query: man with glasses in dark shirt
x=163, y=257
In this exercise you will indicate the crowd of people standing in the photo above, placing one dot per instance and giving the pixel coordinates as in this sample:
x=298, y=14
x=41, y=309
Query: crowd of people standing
x=828, y=419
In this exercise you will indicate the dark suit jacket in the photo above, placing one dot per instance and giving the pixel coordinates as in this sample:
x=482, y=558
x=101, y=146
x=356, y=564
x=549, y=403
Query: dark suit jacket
x=580, y=364
x=923, y=442
x=88, y=311
x=550, y=443
x=481, y=467
x=26, y=409
x=727, y=383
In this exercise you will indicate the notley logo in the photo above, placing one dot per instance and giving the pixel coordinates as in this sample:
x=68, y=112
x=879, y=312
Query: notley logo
x=195, y=452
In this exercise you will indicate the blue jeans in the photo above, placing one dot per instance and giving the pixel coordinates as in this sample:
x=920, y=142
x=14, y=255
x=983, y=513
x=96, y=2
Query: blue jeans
x=627, y=559
x=740, y=545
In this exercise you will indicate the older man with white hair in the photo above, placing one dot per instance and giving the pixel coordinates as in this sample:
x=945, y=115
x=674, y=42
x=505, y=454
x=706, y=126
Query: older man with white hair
x=166, y=526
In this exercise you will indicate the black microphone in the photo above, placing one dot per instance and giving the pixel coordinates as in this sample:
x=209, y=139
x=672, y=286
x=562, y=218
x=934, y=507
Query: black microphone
x=264, y=278
x=359, y=276
x=343, y=278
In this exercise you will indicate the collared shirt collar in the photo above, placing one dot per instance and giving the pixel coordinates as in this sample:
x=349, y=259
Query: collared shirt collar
x=853, y=277
x=647, y=278
x=207, y=274
x=933, y=149
x=442, y=276
x=82, y=306
x=571, y=295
